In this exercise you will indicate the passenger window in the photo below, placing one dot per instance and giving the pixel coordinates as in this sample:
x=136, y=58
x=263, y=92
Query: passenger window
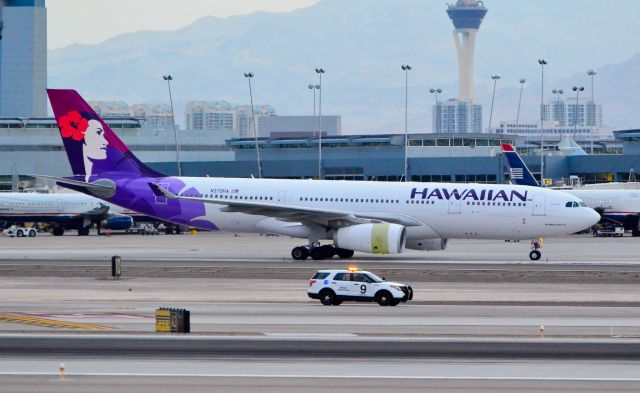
x=342, y=277
x=320, y=276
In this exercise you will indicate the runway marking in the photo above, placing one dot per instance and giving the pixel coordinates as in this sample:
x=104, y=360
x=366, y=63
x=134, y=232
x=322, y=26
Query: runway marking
x=50, y=323
x=310, y=376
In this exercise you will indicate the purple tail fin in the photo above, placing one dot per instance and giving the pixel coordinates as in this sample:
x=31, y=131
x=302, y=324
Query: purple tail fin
x=93, y=149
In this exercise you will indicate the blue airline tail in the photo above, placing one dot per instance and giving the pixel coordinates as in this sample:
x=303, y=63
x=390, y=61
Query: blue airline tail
x=519, y=174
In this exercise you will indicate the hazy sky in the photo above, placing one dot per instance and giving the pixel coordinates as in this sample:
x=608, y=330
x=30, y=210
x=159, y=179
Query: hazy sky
x=97, y=20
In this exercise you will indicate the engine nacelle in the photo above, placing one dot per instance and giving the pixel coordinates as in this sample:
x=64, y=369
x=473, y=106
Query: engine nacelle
x=118, y=223
x=380, y=238
x=427, y=244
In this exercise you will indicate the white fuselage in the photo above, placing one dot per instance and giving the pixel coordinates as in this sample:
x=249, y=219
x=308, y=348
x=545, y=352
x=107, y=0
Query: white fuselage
x=613, y=202
x=49, y=207
x=443, y=210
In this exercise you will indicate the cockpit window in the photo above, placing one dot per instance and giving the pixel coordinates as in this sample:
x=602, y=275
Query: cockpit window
x=568, y=204
x=583, y=204
x=574, y=204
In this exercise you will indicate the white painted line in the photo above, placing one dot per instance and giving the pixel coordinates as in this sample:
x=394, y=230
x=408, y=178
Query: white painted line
x=309, y=376
x=311, y=335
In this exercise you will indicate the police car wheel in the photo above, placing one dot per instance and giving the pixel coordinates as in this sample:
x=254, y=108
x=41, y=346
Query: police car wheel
x=300, y=253
x=535, y=255
x=327, y=297
x=383, y=298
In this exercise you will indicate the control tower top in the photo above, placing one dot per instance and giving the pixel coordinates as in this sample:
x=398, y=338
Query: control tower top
x=467, y=14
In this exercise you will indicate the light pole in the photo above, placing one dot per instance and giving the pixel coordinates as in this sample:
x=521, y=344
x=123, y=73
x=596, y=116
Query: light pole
x=320, y=71
x=575, y=109
x=542, y=63
x=592, y=73
x=435, y=110
x=495, y=78
x=406, y=68
x=249, y=75
x=314, y=88
x=169, y=78
x=522, y=81
x=557, y=92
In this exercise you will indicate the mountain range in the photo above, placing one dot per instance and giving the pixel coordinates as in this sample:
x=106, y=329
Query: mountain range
x=361, y=45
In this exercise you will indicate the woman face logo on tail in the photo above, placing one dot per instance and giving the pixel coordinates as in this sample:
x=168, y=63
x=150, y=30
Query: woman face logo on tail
x=90, y=135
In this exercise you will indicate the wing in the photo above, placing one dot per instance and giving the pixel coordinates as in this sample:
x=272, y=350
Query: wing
x=325, y=217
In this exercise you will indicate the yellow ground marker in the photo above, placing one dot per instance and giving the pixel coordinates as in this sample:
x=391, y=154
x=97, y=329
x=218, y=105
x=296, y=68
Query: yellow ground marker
x=50, y=323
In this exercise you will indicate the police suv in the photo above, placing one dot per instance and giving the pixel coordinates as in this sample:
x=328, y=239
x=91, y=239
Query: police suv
x=332, y=287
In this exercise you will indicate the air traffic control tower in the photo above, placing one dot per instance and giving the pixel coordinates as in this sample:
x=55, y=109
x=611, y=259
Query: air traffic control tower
x=23, y=58
x=466, y=16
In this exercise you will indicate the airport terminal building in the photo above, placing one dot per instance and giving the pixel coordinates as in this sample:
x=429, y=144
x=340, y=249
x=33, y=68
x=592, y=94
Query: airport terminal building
x=33, y=146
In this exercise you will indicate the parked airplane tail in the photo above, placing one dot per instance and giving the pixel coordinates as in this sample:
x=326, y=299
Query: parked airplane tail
x=93, y=149
x=519, y=174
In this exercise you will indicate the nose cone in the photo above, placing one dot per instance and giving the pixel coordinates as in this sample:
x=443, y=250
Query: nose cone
x=589, y=218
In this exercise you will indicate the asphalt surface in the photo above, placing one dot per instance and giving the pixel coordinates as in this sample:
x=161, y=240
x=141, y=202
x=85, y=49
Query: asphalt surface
x=479, y=307
x=140, y=374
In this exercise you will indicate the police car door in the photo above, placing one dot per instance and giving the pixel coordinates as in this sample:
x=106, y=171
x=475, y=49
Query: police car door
x=362, y=285
x=341, y=284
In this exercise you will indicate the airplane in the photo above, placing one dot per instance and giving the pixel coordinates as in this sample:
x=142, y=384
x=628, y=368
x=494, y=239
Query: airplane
x=64, y=211
x=620, y=206
x=369, y=217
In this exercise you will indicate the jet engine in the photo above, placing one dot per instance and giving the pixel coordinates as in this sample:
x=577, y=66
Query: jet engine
x=427, y=244
x=118, y=222
x=379, y=238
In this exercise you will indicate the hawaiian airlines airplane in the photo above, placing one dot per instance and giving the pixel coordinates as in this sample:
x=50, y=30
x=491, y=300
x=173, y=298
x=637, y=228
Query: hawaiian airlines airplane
x=620, y=205
x=370, y=217
x=63, y=211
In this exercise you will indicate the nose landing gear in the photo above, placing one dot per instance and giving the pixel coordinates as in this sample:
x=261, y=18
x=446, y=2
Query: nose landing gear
x=536, y=244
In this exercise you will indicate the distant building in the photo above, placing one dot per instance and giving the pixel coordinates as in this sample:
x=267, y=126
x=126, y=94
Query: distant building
x=157, y=115
x=303, y=126
x=457, y=117
x=566, y=112
x=23, y=58
x=222, y=116
x=553, y=129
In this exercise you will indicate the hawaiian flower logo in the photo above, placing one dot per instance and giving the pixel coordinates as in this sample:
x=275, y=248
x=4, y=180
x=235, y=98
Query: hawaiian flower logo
x=73, y=125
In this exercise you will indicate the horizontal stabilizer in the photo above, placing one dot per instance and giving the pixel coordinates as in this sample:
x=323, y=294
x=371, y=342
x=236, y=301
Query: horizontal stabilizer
x=104, y=188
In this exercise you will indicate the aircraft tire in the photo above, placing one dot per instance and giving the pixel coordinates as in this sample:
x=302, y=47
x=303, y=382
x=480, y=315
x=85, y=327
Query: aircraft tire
x=535, y=255
x=300, y=253
x=328, y=250
x=317, y=253
x=343, y=253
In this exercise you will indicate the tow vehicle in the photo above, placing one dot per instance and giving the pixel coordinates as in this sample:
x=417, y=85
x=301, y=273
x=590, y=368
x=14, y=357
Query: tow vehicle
x=608, y=231
x=17, y=231
x=332, y=287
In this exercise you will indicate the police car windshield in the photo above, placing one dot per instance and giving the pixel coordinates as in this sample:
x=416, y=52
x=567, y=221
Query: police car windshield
x=374, y=278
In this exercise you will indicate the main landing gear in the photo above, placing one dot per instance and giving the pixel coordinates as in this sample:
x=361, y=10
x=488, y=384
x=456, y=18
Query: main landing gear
x=318, y=252
x=535, y=245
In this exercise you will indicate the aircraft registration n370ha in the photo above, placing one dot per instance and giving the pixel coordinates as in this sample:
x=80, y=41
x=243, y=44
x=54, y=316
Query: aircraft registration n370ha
x=370, y=217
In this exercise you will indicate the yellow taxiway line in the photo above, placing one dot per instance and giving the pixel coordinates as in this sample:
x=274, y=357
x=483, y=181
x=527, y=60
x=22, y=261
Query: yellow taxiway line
x=50, y=323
